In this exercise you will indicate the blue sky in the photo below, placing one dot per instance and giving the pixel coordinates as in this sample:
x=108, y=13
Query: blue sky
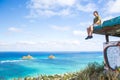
x=52, y=25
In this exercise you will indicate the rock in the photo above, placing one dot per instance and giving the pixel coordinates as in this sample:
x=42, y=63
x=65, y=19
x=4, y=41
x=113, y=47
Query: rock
x=27, y=57
x=51, y=57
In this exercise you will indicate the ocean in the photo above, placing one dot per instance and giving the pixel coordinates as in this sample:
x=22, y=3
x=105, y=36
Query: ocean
x=12, y=65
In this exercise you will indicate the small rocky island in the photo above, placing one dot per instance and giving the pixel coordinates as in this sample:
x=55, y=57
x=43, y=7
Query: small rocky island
x=27, y=57
x=51, y=57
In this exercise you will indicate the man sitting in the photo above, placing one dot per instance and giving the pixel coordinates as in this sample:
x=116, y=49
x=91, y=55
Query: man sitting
x=96, y=22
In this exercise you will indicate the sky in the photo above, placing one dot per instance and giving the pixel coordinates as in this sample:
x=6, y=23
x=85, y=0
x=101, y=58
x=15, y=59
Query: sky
x=52, y=25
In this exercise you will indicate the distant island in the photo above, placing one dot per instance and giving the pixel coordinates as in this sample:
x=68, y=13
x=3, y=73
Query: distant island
x=51, y=57
x=27, y=57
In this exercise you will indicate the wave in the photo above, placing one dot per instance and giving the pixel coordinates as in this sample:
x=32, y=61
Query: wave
x=10, y=61
x=100, y=57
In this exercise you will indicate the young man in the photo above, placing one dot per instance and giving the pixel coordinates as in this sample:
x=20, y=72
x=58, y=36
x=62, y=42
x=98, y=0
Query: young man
x=96, y=21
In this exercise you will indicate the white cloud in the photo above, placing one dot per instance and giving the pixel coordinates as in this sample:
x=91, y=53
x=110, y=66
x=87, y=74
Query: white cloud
x=49, y=7
x=68, y=43
x=58, y=7
x=48, y=4
x=90, y=7
x=14, y=29
x=113, y=6
x=75, y=42
x=64, y=12
x=3, y=43
x=43, y=44
x=60, y=28
x=107, y=18
x=26, y=43
x=66, y=2
x=100, y=1
x=84, y=25
x=58, y=45
x=79, y=33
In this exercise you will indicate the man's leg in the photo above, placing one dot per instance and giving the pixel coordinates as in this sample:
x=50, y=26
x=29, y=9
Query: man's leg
x=89, y=31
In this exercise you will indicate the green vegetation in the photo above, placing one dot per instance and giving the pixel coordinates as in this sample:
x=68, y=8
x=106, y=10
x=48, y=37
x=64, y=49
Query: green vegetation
x=93, y=71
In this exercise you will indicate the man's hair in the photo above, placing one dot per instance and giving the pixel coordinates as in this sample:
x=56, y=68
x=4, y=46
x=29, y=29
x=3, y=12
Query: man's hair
x=96, y=12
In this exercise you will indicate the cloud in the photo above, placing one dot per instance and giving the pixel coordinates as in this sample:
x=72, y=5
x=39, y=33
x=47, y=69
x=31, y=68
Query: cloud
x=100, y=1
x=3, y=43
x=90, y=7
x=68, y=43
x=79, y=33
x=58, y=45
x=107, y=18
x=50, y=4
x=60, y=28
x=26, y=43
x=85, y=24
x=75, y=42
x=14, y=29
x=113, y=6
x=49, y=7
x=54, y=45
x=58, y=7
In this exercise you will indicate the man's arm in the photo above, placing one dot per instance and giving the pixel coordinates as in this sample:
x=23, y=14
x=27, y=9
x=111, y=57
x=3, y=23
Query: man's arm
x=98, y=22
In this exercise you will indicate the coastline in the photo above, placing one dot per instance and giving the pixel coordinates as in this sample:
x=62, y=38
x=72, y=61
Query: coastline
x=63, y=63
x=93, y=71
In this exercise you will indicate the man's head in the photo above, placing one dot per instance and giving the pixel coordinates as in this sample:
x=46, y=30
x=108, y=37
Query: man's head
x=95, y=13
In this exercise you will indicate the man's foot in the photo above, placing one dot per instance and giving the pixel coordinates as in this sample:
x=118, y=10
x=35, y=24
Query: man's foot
x=88, y=37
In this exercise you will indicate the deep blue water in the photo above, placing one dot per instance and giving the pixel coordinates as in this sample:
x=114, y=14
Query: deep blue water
x=12, y=66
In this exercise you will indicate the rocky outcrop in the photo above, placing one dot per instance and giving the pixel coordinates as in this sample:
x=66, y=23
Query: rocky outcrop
x=27, y=57
x=51, y=57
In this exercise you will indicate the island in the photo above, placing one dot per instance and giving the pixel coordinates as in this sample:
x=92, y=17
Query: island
x=51, y=57
x=27, y=57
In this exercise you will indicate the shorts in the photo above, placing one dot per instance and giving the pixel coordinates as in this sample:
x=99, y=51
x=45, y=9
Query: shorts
x=94, y=25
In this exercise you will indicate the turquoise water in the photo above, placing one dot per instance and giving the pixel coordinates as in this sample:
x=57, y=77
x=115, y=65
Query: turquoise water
x=12, y=66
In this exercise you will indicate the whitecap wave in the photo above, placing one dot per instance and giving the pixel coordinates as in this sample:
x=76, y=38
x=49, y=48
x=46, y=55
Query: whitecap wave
x=10, y=61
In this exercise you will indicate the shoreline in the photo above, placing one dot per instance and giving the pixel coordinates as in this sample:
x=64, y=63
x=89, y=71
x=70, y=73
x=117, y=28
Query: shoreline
x=93, y=71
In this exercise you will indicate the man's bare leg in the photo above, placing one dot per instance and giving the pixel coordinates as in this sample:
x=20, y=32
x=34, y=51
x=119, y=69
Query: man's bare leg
x=89, y=31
